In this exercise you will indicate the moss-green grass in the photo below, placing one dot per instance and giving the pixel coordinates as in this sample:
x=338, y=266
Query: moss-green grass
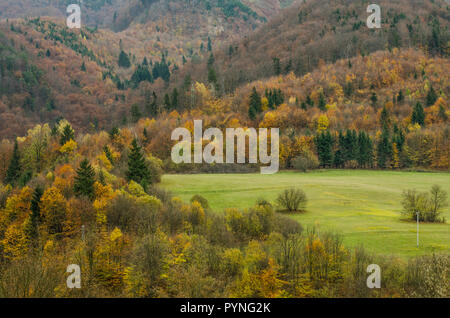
x=362, y=205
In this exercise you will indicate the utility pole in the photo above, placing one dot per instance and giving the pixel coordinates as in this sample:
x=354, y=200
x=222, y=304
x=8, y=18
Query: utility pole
x=417, y=228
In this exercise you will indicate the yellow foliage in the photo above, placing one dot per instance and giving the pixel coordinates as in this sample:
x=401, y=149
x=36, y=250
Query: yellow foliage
x=322, y=123
x=14, y=242
x=104, y=161
x=69, y=147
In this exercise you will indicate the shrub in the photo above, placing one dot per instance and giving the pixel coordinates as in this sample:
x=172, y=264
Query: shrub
x=203, y=202
x=286, y=226
x=263, y=202
x=428, y=205
x=306, y=161
x=428, y=276
x=292, y=200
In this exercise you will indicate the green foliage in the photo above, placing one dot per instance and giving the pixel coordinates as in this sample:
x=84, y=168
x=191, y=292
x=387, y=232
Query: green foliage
x=203, y=202
x=138, y=170
x=418, y=115
x=67, y=135
x=255, y=105
x=14, y=168
x=324, y=144
x=306, y=161
x=431, y=97
x=384, y=149
x=141, y=74
x=292, y=200
x=275, y=97
x=84, y=180
x=124, y=60
x=428, y=206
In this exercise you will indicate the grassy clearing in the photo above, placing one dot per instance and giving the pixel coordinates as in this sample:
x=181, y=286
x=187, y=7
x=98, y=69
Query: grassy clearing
x=362, y=205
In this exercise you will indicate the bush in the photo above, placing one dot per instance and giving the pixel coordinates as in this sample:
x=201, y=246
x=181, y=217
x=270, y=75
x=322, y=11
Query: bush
x=203, y=202
x=263, y=202
x=306, y=161
x=286, y=226
x=292, y=200
x=428, y=205
x=131, y=215
x=162, y=194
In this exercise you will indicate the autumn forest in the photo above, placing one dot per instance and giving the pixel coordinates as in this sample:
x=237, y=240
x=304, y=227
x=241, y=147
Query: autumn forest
x=86, y=169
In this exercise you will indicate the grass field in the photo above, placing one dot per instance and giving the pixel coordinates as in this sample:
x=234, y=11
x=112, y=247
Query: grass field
x=362, y=205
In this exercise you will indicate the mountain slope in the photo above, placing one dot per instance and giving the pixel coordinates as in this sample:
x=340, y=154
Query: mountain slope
x=324, y=31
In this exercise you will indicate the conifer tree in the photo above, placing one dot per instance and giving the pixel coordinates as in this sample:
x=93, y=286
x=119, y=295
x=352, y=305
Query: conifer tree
x=14, y=168
x=84, y=180
x=255, y=106
x=138, y=170
x=209, y=44
x=175, y=98
x=167, y=103
x=124, y=60
x=322, y=102
x=418, y=115
x=384, y=149
x=324, y=144
x=431, y=97
x=108, y=154
x=384, y=117
x=309, y=101
x=374, y=99
x=276, y=66
x=31, y=229
x=67, y=134
x=400, y=96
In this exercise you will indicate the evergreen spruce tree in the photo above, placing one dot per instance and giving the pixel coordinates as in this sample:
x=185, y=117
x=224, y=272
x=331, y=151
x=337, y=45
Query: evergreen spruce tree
x=151, y=106
x=322, y=102
x=83, y=67
x=442, y=114
x=14, y=168
x=384, y=149
x=255, y=106
x=431, y=97
x=365, y=154
x=167, y=104
x=124, y=60
x=400, y=96
x=324, y=145
x=101, y=177
x=338, y=160
x=309, y=101
x=113, y=133
x=145, y=134
x=276, y=66
x=135, y=113
x=398, y=137
x=303, y=106
x=67, y=135
x=175, y=98
x=212, y=77
x=138, y=170
x=384, y=117
x=374, y=99
x=32, y=230
x=209, y=44
x=418, y=115
x=84, y=180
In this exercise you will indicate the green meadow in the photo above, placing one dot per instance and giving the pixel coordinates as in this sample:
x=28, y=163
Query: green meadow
x=363, y=205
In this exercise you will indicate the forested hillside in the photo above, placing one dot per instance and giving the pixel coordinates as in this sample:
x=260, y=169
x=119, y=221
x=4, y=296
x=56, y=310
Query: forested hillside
x=316, y=32
x=86, y=117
